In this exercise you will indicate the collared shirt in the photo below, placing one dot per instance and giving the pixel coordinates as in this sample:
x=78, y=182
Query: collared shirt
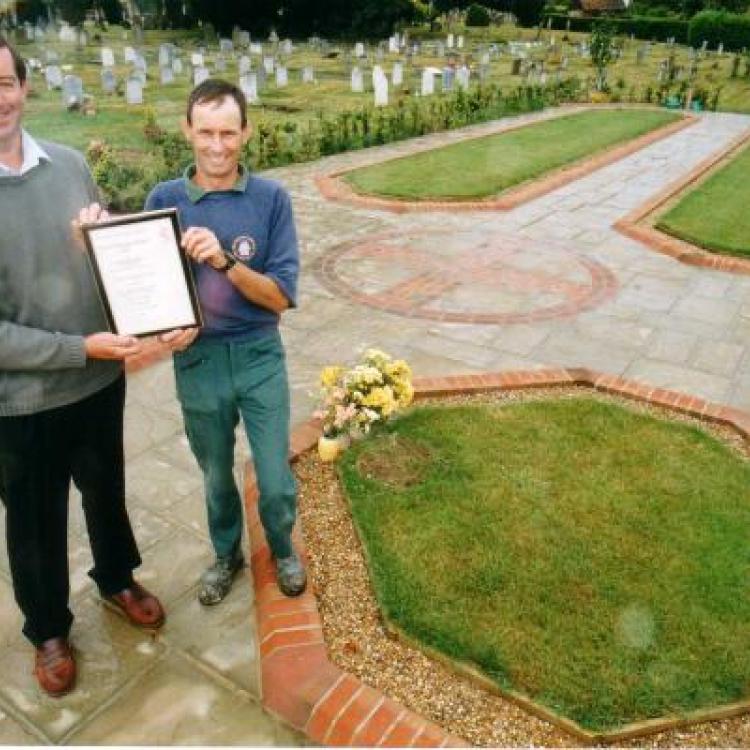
x=196, y=192
x=33, y=154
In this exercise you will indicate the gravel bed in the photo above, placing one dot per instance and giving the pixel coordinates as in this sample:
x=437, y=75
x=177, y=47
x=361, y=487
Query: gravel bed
x=358, y=643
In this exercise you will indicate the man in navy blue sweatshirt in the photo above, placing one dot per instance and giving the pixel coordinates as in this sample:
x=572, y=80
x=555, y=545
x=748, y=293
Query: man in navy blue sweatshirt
x=238, y=229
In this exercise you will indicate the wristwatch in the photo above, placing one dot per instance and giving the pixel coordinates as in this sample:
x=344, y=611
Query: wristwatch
x=231, y=262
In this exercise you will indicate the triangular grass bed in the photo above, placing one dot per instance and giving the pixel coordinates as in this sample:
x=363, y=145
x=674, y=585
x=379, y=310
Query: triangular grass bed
x=714, y=215
x=592, y=559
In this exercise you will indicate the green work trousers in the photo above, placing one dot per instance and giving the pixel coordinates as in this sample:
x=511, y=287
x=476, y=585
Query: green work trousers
x=217, y=383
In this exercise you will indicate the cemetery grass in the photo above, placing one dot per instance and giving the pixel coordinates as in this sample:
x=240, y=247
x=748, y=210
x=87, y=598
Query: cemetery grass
x=590, y=557
x=486, y=166
x=714, y=216
x=122, y=126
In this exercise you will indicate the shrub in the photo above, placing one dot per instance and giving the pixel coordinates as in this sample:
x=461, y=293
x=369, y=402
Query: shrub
x=642, y=27
x=716, y=27
x=477, y=15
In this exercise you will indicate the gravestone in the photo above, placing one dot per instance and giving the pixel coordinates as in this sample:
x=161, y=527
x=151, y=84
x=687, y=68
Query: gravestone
x=262, y=75
x=243, y=38
x=177, y=66
x=287, y=47
x=53, y=77
x=308, y=74
x=140, y=76
x=359, y=50
x=449, y=76
x=440, y=49
x=109, y=82
x=460, y=41
x=393, y=45
x=249, y=86
x=140, y=63
x=226, y=45
x=196, y=60
x=133, y=91
x=200, y=74
x=449, y=41
x=282, y=77
x=221, y=64
x=165, y=55
x=128, y=54
x=380, y=83
x=428, y=82
x=244, y=65
x=51, y=56
x=720, y=49
x=358, y=84
x=268, y=65
x=515, y=67
x=72, y=91
x=166, y=75
x=256, y=48
x=397, y=75
x=463, y=74
x=108, y=58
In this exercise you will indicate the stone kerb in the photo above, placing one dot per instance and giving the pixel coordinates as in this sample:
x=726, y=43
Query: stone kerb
x=300, y=685
x=333, y=186
x=640, y=224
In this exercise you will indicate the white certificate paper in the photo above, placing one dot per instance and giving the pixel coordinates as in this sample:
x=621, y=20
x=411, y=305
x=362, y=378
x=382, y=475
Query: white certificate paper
x=143, y=275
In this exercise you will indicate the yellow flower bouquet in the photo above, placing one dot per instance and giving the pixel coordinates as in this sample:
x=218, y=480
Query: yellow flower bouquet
x=354, y=399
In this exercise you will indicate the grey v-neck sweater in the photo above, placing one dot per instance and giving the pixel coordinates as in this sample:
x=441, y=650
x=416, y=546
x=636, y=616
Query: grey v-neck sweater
x=48, y=297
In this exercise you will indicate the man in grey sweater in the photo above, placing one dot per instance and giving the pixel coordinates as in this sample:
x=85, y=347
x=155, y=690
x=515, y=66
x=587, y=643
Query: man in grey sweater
x=62, y=391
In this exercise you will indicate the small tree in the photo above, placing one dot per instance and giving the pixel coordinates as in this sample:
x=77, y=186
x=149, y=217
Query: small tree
x=602, y=48
x=477, y=15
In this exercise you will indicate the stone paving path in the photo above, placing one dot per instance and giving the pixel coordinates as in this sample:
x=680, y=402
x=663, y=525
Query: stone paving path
x=547, y=284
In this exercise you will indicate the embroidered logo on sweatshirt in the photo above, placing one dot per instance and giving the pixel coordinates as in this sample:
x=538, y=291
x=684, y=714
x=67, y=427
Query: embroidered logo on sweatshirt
x=244, y=247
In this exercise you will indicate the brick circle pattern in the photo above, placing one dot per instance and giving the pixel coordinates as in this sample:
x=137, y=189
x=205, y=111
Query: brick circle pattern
x=469, y=276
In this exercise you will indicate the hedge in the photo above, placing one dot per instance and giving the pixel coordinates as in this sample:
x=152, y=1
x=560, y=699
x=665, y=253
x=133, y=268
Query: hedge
x=717, y=27
x=642, y=27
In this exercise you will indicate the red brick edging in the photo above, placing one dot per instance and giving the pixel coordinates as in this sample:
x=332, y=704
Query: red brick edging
x=638, y=224
x=298, y=682
x=334, y=187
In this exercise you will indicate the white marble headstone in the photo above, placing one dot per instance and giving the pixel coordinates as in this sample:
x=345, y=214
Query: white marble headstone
x=358, y=84
x=134, y=91
x=398, y=74
x=108, y=58
x=428, y=82
x=282, y=77
x=200, y=74
x=249, y=86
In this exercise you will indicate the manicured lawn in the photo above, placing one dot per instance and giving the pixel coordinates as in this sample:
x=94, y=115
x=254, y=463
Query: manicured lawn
x=486, y=166
x=715, y=215
x=594, y=559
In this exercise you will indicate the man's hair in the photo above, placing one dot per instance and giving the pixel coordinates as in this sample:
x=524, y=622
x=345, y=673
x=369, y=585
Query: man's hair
x=18, y=61
x=214, y=90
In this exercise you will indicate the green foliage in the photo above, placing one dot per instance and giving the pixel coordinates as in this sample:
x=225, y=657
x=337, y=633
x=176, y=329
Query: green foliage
x=717, y=27
x=642, y=27
x=477, y=15
x=602, y=50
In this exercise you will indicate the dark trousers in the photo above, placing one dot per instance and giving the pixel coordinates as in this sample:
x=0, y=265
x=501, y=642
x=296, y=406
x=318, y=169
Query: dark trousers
x=39, y=455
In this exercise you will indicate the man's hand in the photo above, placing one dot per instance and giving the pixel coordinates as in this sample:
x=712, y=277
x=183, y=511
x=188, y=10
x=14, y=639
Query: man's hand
x=179, y=339
x=202, y=246
x=90, y=214
x=111, y=346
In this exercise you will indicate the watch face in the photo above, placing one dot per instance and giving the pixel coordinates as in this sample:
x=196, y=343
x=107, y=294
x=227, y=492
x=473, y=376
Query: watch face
x=243, y=247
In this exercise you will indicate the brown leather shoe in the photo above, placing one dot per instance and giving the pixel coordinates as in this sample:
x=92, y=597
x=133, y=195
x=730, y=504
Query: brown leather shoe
x=55, y=667
x=141, y=607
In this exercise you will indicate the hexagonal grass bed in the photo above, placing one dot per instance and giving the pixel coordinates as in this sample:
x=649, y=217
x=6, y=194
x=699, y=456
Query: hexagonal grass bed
x=590, y=560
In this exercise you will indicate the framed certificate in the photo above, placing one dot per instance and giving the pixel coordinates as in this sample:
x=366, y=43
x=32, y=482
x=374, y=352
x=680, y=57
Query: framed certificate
x=144, y=277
